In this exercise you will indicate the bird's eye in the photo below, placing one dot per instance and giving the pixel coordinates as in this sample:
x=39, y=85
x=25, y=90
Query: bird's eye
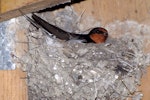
x=97, y=31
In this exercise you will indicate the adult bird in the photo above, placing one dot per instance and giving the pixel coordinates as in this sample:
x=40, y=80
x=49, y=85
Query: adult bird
x=96, y=35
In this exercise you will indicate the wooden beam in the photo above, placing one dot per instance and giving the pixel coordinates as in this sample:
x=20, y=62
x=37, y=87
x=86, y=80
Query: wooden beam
x=10, y=8
x=107, y=11
x=12, y=85
x=144, y=88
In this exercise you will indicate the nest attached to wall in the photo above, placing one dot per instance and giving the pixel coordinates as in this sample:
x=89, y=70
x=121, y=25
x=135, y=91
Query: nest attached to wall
x=66, y=70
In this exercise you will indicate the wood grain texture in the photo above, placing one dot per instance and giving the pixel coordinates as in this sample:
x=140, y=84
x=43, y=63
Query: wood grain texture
x=12, y=86
x=108, y=11
x=8, y=5
x=13, y=82
x=145, y=87
x=12, y=8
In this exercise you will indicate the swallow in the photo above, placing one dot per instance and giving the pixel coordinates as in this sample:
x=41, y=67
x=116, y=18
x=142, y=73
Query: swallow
x=96, y=35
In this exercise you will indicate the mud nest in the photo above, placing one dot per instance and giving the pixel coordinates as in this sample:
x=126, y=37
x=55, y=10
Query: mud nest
x=67, y=70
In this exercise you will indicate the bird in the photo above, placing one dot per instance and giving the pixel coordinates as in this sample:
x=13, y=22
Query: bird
x=96, y=35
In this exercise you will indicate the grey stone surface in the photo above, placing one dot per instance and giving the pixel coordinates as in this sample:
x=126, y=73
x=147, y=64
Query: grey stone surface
x=5, y=49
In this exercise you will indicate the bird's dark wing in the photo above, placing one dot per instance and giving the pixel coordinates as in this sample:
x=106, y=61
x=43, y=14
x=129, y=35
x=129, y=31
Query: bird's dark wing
x=32, y=21
x=59, y=33
x=36, y=25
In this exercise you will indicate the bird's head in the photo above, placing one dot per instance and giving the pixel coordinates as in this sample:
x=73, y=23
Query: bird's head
x=98, y=35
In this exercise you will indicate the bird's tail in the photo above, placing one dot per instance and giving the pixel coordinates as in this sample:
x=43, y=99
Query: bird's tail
x=59, y=33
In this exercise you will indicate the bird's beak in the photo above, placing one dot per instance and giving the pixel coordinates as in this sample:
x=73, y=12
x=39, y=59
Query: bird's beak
x=105, y=34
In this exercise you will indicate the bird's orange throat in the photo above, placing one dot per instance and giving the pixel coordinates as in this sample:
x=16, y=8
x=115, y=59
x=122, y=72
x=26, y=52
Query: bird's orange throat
x=98, y=38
